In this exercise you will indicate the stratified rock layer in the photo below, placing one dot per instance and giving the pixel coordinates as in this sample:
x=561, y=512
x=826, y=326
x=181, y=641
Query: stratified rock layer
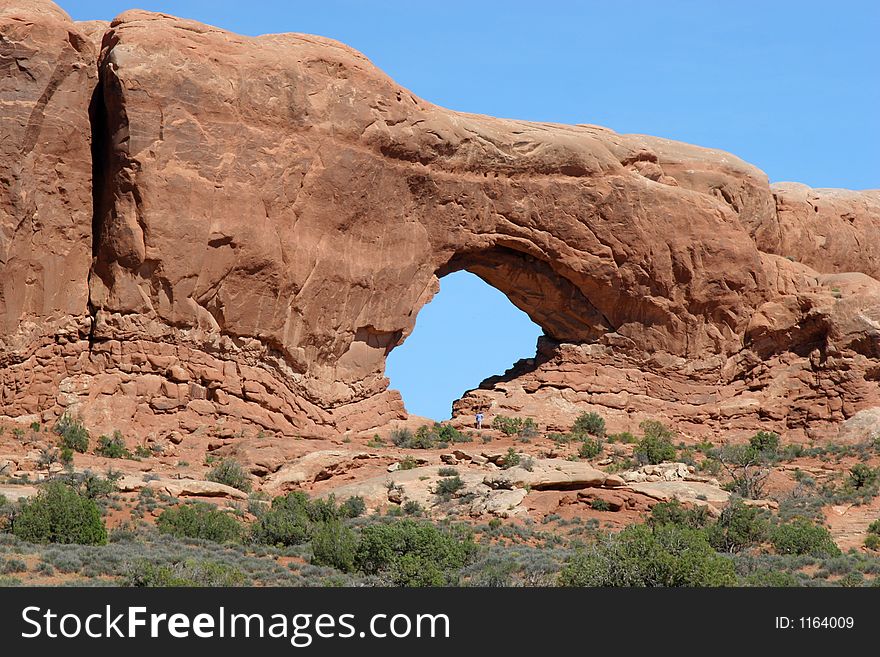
x=272, y=212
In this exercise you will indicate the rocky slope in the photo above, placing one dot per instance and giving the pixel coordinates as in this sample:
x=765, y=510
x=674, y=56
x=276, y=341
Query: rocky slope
x=201, y=229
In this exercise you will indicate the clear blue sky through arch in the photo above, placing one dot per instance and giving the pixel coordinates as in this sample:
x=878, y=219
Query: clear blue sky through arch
x=469, y=331
x=792, y=86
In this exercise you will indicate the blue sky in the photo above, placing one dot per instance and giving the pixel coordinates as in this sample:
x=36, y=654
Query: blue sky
x=790, y=86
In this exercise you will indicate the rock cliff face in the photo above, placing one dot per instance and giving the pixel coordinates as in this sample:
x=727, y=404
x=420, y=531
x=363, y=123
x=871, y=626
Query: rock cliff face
x=270, y=214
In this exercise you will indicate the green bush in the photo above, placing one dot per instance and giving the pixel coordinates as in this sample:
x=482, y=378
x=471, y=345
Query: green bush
x=765, y=442
x=590, y=448
x=747, y=468
x=183, y=574
x=401, y=437
x=862, y=475
x=447, y=487
x=428, y=437
x=408, y=463
x=874, y=527
x=739, y=527
x=447, y=472
x=511, y=426
x=675, y=513
x=872, y=542
x=771, y=578
x=600, y=505
x=65, y=455
x=511, y=458
x=668, y=555
x=412, y=508
x=411, y=553
x=335, y=545
x=13, y=566
x=656, y=443
x=112, y=448
x=800, y=536
x=588, y=424
x=73, y=433
x=59, y=514
x=230, y=473
x=200, y=520
x=291, y=519
x=353, y=507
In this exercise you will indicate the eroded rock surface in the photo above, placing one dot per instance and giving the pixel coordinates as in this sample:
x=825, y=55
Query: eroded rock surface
x=47, y=77
x=271, y=213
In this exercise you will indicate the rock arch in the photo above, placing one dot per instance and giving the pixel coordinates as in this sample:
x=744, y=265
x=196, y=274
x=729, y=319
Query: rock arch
x=271, y=213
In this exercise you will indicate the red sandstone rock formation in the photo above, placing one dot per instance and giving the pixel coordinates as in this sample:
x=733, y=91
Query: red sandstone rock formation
x=47, y=77
x=272, y=212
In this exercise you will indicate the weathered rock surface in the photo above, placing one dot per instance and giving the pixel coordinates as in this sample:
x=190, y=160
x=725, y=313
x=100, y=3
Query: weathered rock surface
x=831, y=230
x=270, y=214
x=312, y=467
x=548, y=474
x=47, y=77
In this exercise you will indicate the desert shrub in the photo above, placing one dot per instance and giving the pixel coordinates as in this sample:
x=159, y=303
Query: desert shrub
x=401, y=437
x=335, y=545
x=590, y=448
x=600, y=505
x=411, y=553
x=446, y=433
x=323, y=510
x=510, y=426
x=73, y=433
x=765, y=443
x=112, y=448
x=771, y=578
x=353, y=507
x=622, y=437
x=65, y=455
x=291, y=519
x=412, y=508
x=200, y=520
x=13, y=566
x=667, y=555
x=874, y=527
x=739, y=527
x=872, y=542
x=801, y=502
x=447, y=472
x=862, y=476
x=59, y=514
x=183, y=573
x=142, y=452
x=675, y=513
x=747, y=468
x=447, y=487
x=800, y=536
x=511, y=458
x=428, y=437
x=655, y=445
x=92, y=485
x=47, y=457
x=408, y=463
x=230, y=473
x=588, y=424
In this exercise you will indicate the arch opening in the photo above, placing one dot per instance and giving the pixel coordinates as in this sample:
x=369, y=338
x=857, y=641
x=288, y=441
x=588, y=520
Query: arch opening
x=468, y=332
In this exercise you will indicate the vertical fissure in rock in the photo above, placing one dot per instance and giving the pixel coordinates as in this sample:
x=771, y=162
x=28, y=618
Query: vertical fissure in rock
x=100, y=165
